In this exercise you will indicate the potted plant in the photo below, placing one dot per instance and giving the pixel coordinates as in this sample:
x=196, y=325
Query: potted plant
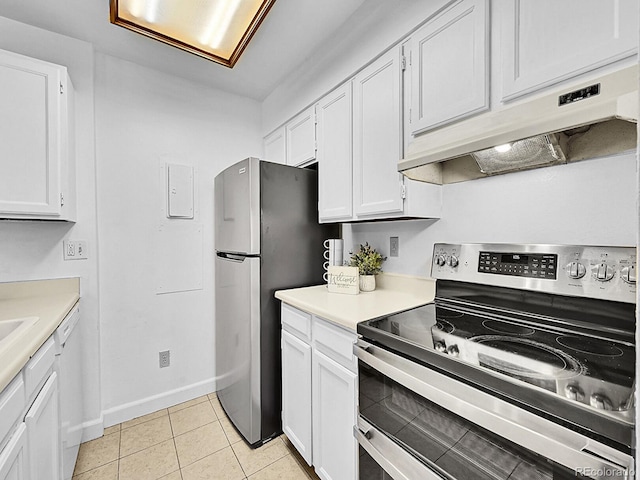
x=369, y=263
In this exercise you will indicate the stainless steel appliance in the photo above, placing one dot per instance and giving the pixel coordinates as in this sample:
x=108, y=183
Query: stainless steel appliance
x=267, y=238
x=586, y=119
x=523, y=368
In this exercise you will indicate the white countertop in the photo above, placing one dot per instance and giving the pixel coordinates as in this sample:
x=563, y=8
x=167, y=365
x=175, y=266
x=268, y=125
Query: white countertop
x=393, y=293
x=50, y=301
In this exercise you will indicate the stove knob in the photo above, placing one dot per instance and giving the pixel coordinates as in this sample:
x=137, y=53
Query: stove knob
x=605, y=272
x=441, y=260
x=453, y=350
x=576, y=270
x=600, y=401
x=628, y=274
x=440, y=347
x=452, y=261
x=574, y=392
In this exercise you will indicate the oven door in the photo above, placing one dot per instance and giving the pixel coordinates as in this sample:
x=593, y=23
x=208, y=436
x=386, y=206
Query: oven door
x=417, y=423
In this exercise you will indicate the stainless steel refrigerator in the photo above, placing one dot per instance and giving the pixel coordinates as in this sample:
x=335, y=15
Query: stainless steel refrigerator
x=267, y=238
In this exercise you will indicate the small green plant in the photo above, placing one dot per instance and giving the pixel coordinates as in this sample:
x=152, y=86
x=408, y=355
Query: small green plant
x=367, y=259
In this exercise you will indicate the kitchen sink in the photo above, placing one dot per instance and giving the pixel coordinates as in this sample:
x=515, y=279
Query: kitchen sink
x=11, y=329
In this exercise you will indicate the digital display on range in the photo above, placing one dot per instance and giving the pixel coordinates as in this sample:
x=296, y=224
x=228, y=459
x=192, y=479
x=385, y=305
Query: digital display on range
x=514, y=258
x=533, y=265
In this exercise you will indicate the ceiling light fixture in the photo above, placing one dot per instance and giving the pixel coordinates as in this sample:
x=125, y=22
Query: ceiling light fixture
x=218, y=30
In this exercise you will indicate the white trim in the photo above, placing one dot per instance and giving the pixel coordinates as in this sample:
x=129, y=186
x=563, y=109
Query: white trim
x=144, y=406
x=93, y=429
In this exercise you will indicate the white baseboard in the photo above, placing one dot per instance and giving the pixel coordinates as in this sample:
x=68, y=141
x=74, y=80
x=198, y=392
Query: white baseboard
x=141, y=407
x=93, y=429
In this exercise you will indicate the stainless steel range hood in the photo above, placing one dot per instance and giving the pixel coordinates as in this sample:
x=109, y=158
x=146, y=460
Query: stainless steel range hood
x=587, y=120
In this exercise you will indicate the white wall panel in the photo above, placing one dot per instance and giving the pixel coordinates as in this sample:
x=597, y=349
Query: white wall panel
x=144, y=119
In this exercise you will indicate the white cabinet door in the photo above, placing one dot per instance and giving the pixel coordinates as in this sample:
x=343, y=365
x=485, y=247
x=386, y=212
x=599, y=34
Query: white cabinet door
x=449, y=66
x=13, y=457
x=334, y=415
x=377, y=137
x=335, y=155
x=301, y=138
x=296, y=394
x=546, y=41
x=32, y=131
x=43, y=430
x=275, y=147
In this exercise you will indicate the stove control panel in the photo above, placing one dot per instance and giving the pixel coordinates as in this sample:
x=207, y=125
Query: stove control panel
x=607, y=273
x=519, y=264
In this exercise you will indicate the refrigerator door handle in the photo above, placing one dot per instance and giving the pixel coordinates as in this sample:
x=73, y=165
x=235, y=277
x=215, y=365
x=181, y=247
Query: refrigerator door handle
x=232, y=257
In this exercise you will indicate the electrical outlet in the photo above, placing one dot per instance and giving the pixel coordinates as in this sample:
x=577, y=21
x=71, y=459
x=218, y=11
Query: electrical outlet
x=394, y=246
x=164, y=358
x=75, y=249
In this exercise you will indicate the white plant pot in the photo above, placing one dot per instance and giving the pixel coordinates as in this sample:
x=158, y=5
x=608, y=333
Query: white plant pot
x=367, y=283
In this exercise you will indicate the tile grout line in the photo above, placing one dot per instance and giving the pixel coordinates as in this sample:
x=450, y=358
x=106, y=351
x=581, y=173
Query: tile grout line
x=218, y=418
x=175, y=447
x=119, y=447
x=228, y=440
x=144, y=421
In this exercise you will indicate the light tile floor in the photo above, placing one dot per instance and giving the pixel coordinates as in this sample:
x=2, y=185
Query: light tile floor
x=191, y=441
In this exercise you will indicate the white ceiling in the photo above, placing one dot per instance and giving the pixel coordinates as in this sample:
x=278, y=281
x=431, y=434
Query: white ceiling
x=292, y=30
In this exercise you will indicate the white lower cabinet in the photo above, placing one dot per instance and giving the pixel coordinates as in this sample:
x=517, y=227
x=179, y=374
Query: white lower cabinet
x=334, y=416
x=296, y=393
x=30, y=447
x=319, y=393
x=43, y=431
x=13, y=457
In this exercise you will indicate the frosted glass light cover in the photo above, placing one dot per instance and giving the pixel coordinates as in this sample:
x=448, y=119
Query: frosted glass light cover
x=527, y=153
x=218, y=30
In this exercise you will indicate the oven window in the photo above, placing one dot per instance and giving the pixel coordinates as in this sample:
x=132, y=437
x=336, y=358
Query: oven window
x=445, y=442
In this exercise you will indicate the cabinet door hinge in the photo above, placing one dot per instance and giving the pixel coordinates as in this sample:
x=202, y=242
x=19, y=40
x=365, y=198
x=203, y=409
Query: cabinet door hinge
x=404, y=63
x=62, y=199
x=403, y=191
x=61, y=89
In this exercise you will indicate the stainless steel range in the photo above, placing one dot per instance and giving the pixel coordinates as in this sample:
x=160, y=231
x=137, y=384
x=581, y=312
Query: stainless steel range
x=523, y=368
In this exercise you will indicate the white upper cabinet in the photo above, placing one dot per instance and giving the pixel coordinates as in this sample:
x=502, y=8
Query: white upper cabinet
x=449, y=63
x=546, y=41
x=36, y=158
x=335, y=185
x=377, y=137
x=275, y=147
x=301, y=138
x=359, y=146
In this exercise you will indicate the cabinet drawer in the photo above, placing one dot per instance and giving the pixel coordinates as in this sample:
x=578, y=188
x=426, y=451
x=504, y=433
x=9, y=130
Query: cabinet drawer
x=12, y=402
x=296, y=322
x=35, y=372
x=335, y=342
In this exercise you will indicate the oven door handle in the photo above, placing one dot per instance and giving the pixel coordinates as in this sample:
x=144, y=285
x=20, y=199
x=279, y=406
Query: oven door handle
x=396, y=461
x=546, y=438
